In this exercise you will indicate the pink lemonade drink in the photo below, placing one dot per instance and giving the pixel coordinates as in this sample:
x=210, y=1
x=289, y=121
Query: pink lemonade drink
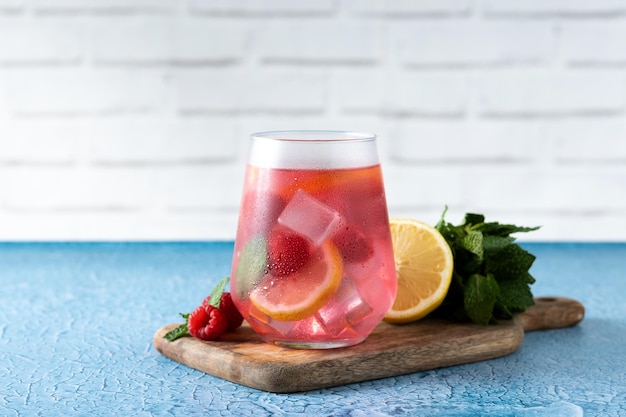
x=313, y=264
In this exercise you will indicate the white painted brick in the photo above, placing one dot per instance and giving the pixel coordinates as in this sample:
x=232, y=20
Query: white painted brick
x=34, y=42
x=579, y=141
x=256, y=91
x=63, y=188
x=428, y=94
x=545, y=93
x=404, y=8
x=421, y=94
x=422, y=187
x=320, y=42
x=201, y=187
x=40, y=141
x=130, y=120
x=101, y=6
x=433, y=142
x=11, y=6
x=263, y=7
x=198, y=225
x=565, y=190
x=472, y=43
x=161, y=141
x=577, y=227
x=358, y=90
x=427, y=214
x=35, y=91
x=258, y=123
x=593, y=43
x=575, y=8
x=121, y=188
x=5, y=108
x=173, y=40
x=121, y=225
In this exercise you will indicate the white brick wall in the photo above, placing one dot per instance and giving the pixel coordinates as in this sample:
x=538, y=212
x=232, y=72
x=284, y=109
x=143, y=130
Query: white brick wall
x=129, y=119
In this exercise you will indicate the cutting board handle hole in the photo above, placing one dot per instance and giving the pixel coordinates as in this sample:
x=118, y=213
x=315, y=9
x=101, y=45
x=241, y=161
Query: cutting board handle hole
x=547, y=299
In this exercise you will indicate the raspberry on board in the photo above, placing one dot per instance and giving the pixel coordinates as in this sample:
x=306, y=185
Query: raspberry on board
x=207, y=322
x=227, y=307
x=233, y=315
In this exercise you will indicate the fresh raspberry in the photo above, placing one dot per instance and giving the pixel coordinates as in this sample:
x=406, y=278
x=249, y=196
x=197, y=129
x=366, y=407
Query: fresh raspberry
x=353, y=245
x=207, y=322
x=227, y=307
x=287, y=252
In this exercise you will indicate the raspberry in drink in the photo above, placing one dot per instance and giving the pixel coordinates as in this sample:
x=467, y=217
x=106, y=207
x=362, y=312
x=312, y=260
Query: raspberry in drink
x=313, y=263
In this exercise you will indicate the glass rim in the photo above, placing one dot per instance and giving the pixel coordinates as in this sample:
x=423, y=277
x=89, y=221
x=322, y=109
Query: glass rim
x=309, y=136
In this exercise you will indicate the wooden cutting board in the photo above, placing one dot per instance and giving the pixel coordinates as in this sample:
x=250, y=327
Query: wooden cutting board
x=242, y=357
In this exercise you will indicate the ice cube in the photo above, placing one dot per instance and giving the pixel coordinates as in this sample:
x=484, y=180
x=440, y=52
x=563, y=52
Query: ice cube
x=283, y=327
x=356, y=308
x=346, y=309
x=374, y=278
x=262, y=320
x=333, y=319
x=310, y=217
x=308, y=328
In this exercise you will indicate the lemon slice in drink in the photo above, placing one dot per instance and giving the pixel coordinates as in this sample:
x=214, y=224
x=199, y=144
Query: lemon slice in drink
x=424, y=266
x=300, y=294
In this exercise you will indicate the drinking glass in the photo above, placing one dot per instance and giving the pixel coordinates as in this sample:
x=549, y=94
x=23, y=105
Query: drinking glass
x=313, y=263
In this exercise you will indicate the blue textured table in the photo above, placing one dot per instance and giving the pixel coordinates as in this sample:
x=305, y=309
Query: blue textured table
x=77, y=319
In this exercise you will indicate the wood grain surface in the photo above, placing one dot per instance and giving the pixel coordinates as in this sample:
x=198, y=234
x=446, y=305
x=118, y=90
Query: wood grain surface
x=242, y=357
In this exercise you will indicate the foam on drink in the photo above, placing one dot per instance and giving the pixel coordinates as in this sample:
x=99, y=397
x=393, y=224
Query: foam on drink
x=313, y=150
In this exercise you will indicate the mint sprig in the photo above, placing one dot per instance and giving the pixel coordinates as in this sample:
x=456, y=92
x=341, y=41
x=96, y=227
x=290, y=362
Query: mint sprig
x=218, y=290
x=182, y=330
x=179, y=331
x=491, y=278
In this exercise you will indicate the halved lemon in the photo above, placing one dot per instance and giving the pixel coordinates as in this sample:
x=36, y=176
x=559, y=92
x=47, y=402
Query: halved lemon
x=300, y=294
x=424, y=266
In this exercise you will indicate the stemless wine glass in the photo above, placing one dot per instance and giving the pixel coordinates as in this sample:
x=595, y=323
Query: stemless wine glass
x=313, y=263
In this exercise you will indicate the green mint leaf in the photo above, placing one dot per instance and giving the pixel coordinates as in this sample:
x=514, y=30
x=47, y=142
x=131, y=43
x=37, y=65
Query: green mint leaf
x=252, y=266
x=497, y=229
x=501, y=310
x=491, y=278
x=442, y=221
x=495, y=243
x=218, y=290
x=512, y=262
x=480, y=297
x=177, y=332
x=515, y=295
x=527, y=278
x=473, y=219
x=473, y=242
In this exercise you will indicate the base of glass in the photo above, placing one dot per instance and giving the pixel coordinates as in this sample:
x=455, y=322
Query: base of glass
x=334, y=344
